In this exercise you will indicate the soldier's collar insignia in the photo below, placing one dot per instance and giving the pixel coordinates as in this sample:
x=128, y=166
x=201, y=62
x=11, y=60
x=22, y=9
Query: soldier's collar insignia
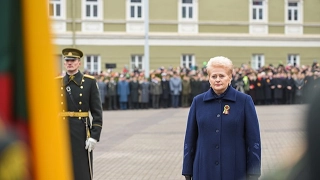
x=226, y=109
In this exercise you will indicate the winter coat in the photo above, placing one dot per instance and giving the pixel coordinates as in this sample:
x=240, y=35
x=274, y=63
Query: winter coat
x=123, y=91
x=134, y=91
x=186, y=87
x=175, y=86
x=155, y=88
x=165, y=89
x=102, y=90
x=144, y=92
x=111, y=89
x=222, y=144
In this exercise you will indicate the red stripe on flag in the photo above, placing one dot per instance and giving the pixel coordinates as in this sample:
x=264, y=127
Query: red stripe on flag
x=6, y=97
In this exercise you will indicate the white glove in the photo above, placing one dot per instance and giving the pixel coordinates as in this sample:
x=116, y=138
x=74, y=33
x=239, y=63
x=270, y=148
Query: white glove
x=90, y=144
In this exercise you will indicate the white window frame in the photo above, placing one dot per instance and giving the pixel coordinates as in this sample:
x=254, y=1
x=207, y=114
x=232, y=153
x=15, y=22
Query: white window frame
x=62, y=4
x=193, y=5
x=92, y=69
x=98, y=3
x=136, y=5
x=256, y=60
x=298, y=8
x=293, y=59
x=188, y=25
x=189, y=59
x=264, y=8
x=135, y=58
x=188, y=7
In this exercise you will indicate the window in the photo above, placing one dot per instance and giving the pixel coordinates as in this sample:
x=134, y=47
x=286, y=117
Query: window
x=92, y=64
x=91, y=8
x=136, y=9
x=257, y=61
x=187, y=60
x=293, y=12
x=137, y=62
x=257, y=10
x=293, y=59
x=55, y=8
x=187, y=9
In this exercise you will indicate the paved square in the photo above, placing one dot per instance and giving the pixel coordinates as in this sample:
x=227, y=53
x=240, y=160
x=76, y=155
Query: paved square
x=148, y=144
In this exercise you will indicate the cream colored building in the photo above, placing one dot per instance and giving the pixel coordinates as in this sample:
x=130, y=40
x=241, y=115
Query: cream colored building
x=187, y=32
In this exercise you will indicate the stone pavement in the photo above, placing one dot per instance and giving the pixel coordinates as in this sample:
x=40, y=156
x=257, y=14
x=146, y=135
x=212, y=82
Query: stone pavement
x=148, y=144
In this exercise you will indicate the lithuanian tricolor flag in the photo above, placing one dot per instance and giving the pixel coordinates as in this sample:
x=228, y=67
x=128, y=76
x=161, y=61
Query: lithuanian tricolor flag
x=29, y=96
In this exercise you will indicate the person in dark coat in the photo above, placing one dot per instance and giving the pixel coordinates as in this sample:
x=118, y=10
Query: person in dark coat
x=195, y=85
x=260, y=95
x=252, y=86
x=204, y=84
x=112, y=94
x=155, y=91
x=165, y=90
x=307, y=167
x=102, y=90
x=81, y=95
x=299, y=85
x=144, y=93
x=134, y=93
x=289, y=89
x=222, y=139
x=238, y=83
x=279, y=83
x=267, y=88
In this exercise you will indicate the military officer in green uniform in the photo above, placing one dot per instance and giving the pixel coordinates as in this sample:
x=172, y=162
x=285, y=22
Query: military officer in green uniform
x=80, y=97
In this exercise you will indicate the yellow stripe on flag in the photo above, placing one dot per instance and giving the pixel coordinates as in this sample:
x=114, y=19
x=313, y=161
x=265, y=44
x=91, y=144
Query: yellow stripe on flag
x=48, y=134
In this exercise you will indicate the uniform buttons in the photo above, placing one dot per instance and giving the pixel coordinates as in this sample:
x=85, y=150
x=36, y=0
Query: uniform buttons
x=82, y=80
x=81, y=87
x=80, y=94
x=80, y=110
x=217, y=162
x=61, y=88
x=80, y=102
x=79, y=117
x=61, y=94
x=217, y=146
x=217, y=130
x=61, y=103
x=63, y=118
x=62, y=110
x=218, y=115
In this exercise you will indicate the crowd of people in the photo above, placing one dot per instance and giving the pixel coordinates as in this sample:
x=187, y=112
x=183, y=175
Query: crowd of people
x=176, y=87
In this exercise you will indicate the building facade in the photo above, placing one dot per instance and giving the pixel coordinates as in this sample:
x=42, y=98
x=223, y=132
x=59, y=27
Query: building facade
x=186, y=32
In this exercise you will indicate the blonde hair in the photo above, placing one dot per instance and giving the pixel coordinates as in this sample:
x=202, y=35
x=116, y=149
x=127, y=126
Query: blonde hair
x=220, y=61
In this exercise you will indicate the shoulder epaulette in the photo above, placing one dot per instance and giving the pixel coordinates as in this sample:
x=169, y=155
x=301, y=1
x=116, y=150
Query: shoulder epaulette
x=58, y=77
x=88, y=76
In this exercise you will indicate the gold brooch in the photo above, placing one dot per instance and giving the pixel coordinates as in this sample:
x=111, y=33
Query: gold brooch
x=226, y=109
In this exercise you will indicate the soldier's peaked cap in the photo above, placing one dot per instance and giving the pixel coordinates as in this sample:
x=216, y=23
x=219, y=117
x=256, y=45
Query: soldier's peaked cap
x=71, y=53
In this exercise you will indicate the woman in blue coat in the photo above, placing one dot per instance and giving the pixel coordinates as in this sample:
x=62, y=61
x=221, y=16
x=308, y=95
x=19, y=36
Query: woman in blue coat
x=222, y=140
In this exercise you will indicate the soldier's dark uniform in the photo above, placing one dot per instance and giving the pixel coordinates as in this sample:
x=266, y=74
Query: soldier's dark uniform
x=85, y=98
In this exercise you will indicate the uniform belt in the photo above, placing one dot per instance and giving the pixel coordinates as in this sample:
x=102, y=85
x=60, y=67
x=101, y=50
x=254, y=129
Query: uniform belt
x=74, y=114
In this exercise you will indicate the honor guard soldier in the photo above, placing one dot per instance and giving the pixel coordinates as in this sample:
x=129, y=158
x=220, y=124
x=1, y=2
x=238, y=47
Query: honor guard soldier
x=80, y=95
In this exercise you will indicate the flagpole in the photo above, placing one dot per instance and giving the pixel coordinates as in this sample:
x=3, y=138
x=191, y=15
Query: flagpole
x=146, y=37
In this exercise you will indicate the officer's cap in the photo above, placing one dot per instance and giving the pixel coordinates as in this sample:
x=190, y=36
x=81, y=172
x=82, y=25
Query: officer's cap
x=71, y=54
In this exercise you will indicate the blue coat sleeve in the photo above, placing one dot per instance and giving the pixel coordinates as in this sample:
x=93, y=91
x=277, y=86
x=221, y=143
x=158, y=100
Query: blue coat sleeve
x=252, y=136
x=190, y=141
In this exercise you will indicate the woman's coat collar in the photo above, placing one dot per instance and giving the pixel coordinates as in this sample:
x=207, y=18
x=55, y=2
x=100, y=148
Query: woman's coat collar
x=230, y=95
